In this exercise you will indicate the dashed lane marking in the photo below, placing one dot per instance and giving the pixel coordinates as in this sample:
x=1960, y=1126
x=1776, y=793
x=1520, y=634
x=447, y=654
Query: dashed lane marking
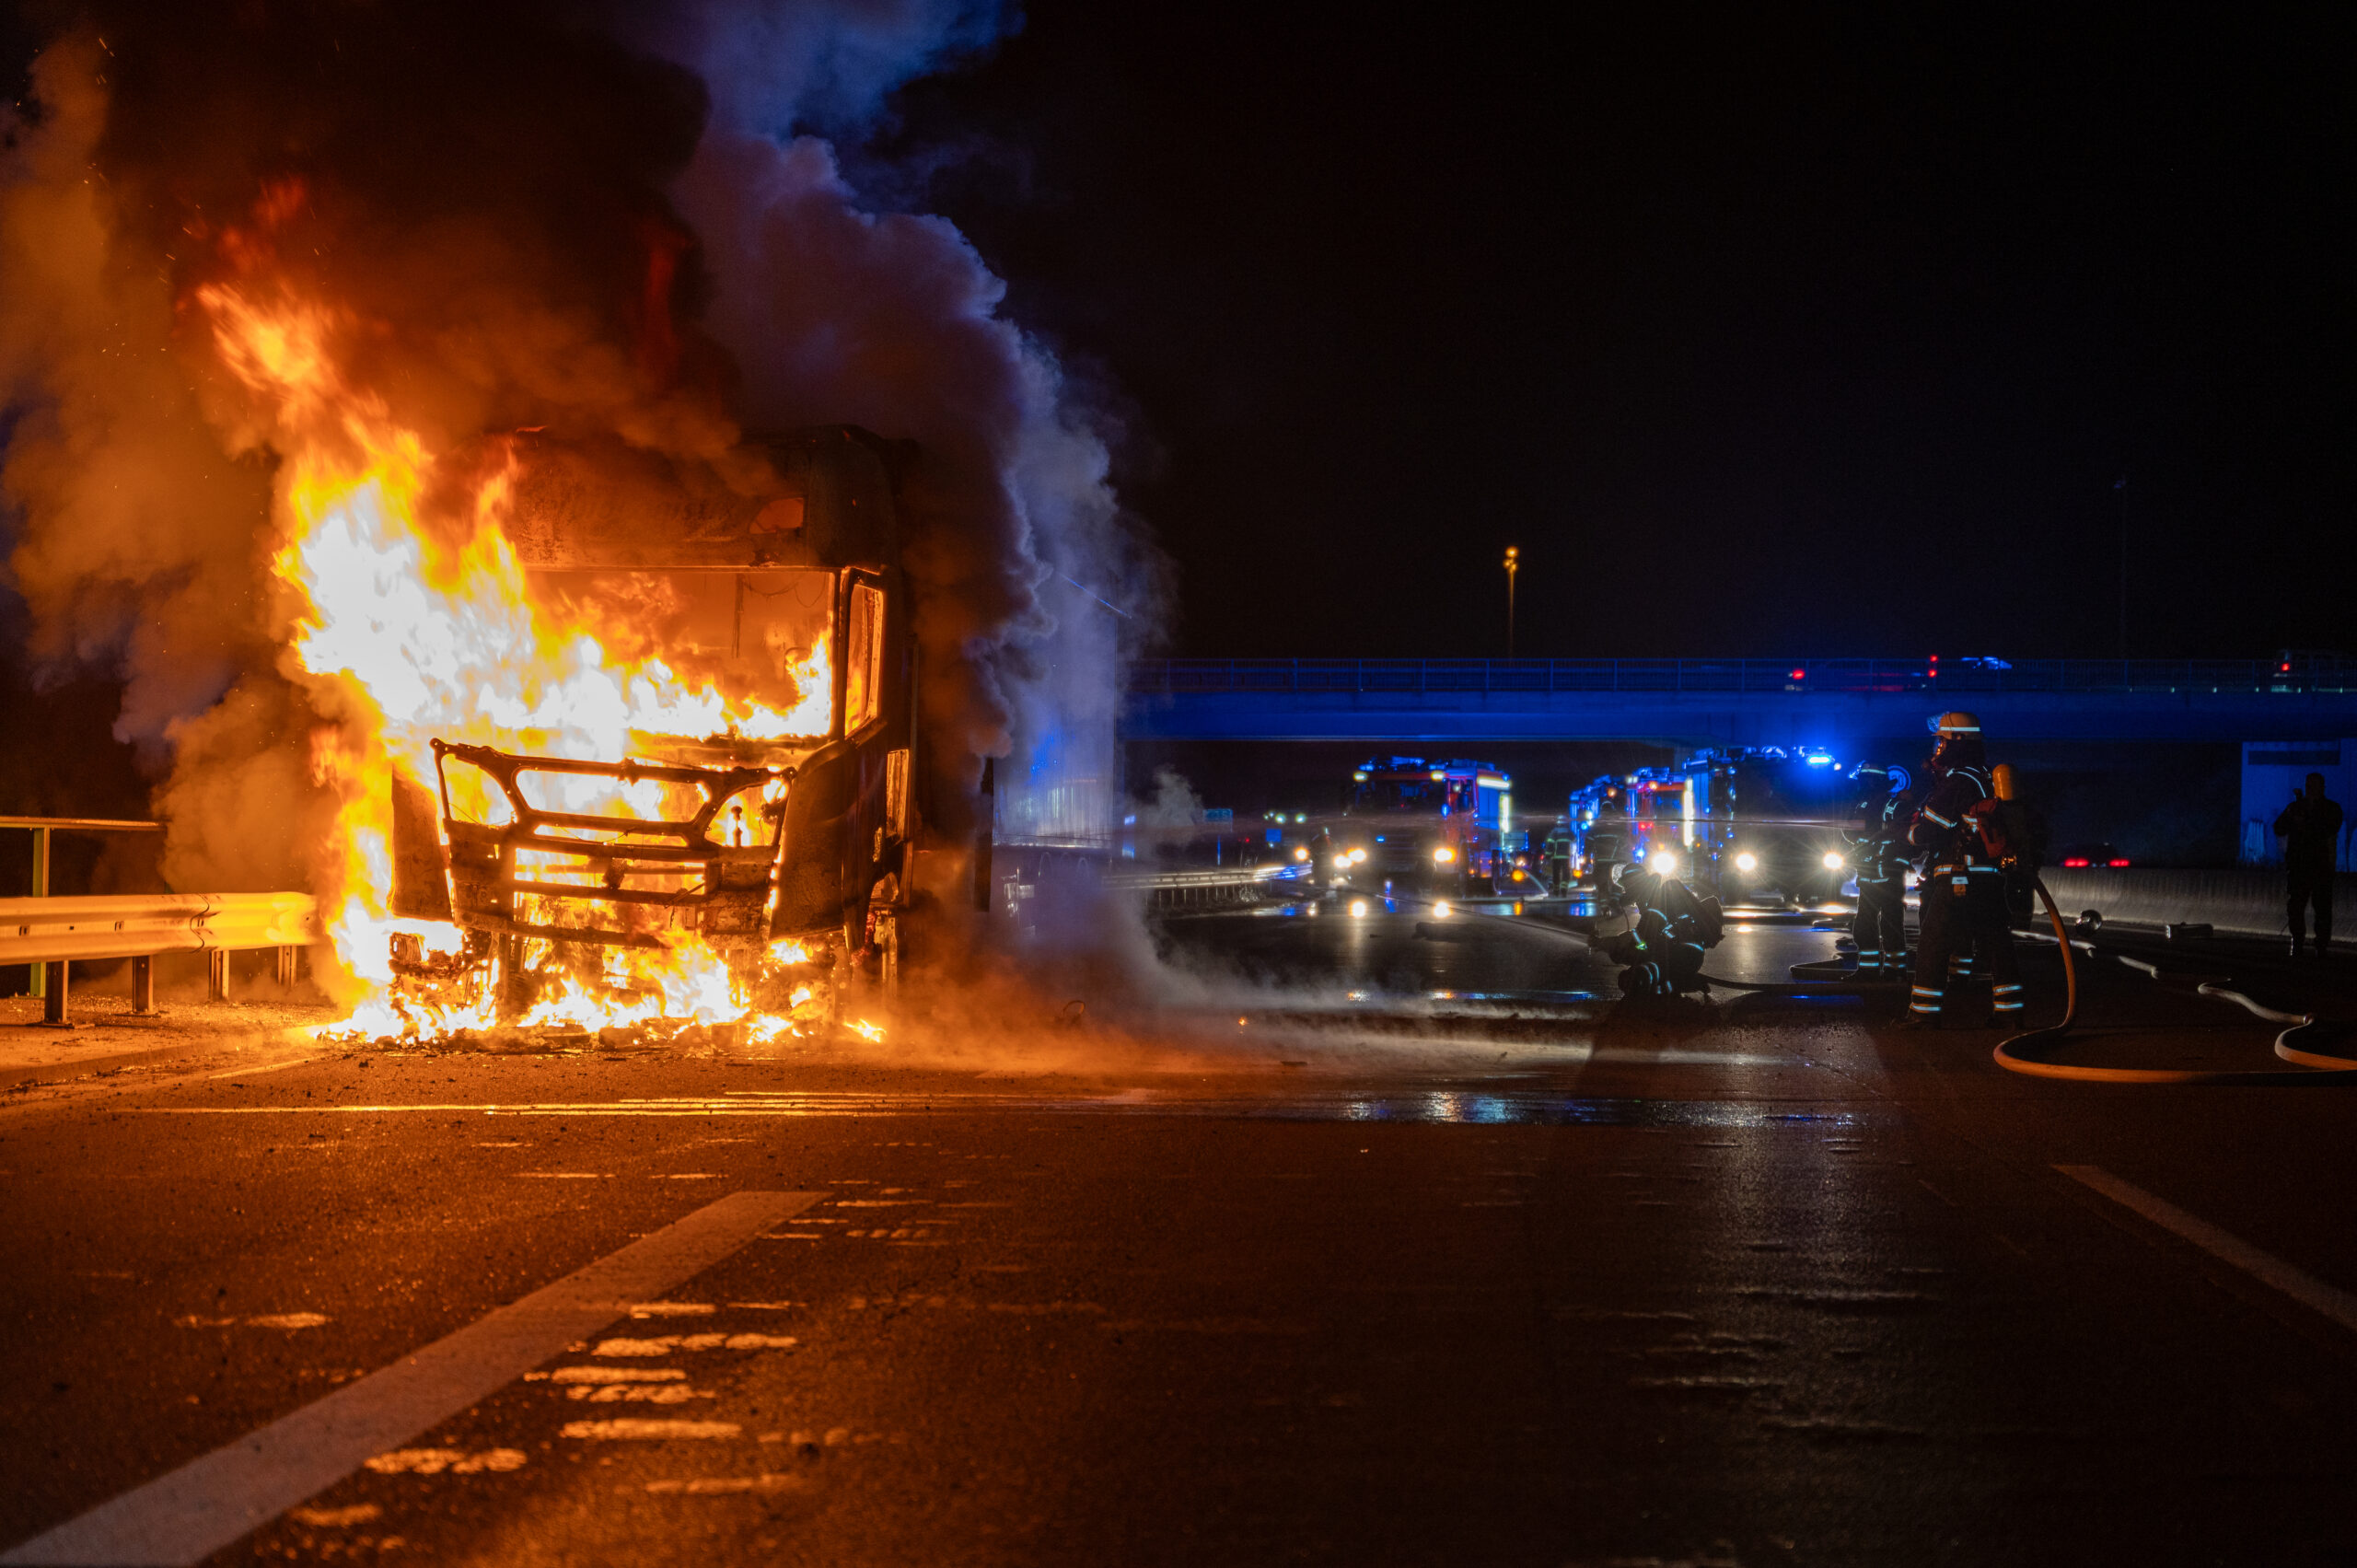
x=628, y=1430
x=185, y=1517
x=2303, y=1287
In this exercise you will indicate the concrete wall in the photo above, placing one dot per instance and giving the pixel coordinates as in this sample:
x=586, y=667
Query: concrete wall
x=2248, y=902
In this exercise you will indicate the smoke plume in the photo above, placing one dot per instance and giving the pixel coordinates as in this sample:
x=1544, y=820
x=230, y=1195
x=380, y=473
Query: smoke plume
x=617, y=227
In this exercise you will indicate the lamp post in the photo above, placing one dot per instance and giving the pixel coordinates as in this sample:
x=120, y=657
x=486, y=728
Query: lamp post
x=1514, y=564
x=2119, y=488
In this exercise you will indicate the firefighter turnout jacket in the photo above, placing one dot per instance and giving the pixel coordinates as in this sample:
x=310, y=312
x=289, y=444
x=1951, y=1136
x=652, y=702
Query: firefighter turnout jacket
x=1942, y=832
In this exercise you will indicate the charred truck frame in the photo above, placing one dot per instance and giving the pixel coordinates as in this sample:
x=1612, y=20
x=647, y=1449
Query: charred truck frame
x=743, y=840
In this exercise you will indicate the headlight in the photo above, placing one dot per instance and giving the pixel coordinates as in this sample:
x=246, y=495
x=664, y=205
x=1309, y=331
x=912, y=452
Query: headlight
x=1358, y=857
x=1341, y=864
x=1301, y=854
x=1747, y=861
x=1443, y=856
x=1519, y=874
x=1358, y=907
x=1832, y=861
x=1662, y=863
x=1442, y=910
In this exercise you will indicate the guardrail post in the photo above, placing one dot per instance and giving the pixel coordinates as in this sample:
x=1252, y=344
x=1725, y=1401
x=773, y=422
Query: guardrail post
x=216, y=975
x=53, y=995
x=40, y=890
x=286, y=962
x=143, y=986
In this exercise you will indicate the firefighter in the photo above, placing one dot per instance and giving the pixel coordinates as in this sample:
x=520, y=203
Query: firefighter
x=1879, y=855
x=2310, y=828
x=1668, y=929
x=1956, y=919
x=1608, y=841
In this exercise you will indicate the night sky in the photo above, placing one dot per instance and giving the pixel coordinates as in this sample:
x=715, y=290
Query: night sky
x=1788, y=333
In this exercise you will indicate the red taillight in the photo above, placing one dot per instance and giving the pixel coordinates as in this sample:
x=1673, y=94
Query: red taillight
x=1800, y=674
x=2119, y=863
x=2074, y=860
x=2284, y=670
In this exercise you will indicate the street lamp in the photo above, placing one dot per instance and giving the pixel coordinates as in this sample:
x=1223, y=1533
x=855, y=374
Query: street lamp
x=1514, y=564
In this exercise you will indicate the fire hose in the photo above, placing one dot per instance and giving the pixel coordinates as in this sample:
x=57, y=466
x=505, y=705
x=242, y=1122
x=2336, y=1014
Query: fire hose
x=2296, y=1044
x=2311, y=1066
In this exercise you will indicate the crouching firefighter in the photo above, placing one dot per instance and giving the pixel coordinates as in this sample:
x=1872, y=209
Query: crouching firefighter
x=1669, y=928
x=1962, y=886
x=1880, y=856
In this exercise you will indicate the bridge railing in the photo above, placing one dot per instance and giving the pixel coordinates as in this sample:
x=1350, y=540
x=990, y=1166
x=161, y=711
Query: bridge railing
x=1183, y=677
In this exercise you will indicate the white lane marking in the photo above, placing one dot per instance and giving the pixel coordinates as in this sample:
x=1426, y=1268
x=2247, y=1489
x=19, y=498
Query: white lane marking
x=618, y=1375
x=288, y=1321
x=433, y=1461
x=2303, y=1287
x=336, y=1518
x=265, y=1067
x=637, y=1393
x=671, y=1309
x=709, y=1485
x=670, y=1342
x=602, y=1431
x=186, y=1515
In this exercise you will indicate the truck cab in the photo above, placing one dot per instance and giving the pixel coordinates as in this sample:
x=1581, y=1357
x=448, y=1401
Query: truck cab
x=798, y=826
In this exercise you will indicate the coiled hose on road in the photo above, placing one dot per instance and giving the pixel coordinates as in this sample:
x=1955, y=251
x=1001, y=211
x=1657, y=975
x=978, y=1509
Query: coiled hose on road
x=2296, y=1044
x=2313, y=1067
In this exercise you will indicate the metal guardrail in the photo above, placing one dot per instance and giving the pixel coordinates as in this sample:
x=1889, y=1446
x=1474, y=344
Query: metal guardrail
x=52, y=933
x=1228, y=877
x=1203, y=888
x=42, y=828
x=1848, y=676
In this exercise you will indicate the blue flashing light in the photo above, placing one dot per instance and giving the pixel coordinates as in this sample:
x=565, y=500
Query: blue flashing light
x=1820, y=759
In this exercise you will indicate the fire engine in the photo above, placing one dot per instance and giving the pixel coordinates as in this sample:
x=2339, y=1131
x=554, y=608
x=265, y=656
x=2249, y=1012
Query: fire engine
x=1747, y=823
x=799, y=601
x=1445, y=826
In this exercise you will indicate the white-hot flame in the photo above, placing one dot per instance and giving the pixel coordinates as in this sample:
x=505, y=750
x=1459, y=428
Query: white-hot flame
x=402, y=636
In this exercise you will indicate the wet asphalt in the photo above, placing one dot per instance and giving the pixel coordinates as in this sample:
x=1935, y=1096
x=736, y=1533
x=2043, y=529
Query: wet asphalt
x=1411, y=1250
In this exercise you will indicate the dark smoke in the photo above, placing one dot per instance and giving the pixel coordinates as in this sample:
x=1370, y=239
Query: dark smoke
x=607, y=223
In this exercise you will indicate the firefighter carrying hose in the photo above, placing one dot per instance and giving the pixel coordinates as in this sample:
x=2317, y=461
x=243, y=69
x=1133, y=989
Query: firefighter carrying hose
x=1880, y=854
x=1962, y=885
x=1668, y=929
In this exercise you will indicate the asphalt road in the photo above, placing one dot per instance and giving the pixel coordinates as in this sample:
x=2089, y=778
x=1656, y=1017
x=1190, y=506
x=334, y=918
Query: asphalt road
x=1415, y=1253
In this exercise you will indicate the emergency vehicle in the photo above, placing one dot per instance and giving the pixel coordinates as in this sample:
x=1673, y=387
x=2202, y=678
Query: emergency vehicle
x=1747, y=824
x=1445, y=826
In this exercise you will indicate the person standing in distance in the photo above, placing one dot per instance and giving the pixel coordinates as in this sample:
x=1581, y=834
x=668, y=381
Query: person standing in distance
x=2310, y=829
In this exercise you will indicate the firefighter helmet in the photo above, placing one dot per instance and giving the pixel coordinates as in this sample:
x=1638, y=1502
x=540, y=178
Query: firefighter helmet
x=1951, y=725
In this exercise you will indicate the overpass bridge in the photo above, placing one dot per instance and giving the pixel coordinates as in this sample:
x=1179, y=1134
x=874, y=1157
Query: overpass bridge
x=1448, y=703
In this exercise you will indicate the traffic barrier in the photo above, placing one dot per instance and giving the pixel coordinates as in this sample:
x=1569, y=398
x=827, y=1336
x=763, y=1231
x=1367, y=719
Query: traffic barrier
x=2243, y=902
x=52, y=932
x=1170, y=890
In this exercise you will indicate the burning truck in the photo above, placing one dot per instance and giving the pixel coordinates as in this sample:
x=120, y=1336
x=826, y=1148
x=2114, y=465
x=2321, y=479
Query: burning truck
x=789, y=830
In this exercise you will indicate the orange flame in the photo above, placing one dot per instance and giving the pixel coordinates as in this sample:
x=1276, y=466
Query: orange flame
x=401, y=636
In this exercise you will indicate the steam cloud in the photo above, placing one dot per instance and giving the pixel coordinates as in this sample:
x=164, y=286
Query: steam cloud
x=605, y=223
